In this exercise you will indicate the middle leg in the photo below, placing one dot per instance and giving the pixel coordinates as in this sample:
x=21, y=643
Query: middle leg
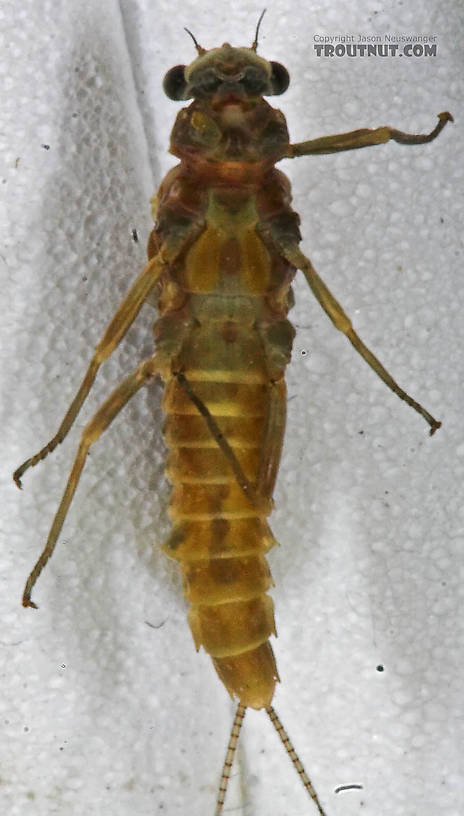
x=342, y=322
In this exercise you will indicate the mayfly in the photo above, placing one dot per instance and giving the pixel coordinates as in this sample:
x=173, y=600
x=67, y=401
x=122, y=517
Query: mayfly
x=221, y=259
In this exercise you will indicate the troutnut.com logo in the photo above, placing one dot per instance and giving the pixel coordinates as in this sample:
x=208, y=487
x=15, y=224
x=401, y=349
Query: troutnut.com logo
x=375, y=45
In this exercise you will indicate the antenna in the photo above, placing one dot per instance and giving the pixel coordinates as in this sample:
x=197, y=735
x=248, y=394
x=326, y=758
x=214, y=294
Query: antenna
x=255, y=41
x=199, y=47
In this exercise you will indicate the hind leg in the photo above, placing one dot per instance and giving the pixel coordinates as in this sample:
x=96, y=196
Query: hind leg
x=92, y=431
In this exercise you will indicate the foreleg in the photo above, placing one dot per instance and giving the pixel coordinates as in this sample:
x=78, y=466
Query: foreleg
x=365, y=137
x=116, y=330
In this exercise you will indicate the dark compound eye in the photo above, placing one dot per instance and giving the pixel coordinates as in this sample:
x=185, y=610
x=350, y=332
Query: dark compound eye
x=174, y=83
x=254, y=81
x=205, y=82
x=280, y=78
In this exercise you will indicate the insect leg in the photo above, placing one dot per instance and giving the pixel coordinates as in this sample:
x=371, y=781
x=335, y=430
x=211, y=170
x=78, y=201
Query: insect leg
x=230, y=753
x=249, y=490
x=116, y=329
x=365, y=137
x=286, y=742
x=273, y=437
x=342, y=322
x=99, y=422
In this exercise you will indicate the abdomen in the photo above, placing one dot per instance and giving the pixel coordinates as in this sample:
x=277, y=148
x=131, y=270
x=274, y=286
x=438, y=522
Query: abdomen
x=219, y=536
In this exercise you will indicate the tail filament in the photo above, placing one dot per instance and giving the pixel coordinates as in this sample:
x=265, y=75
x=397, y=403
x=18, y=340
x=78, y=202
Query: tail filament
x=231, y=748
x=286, y=742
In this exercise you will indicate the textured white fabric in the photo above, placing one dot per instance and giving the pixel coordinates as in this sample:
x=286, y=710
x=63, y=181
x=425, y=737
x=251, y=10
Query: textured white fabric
x=102, y=714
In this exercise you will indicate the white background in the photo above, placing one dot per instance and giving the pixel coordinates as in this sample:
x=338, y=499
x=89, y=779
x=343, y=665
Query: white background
x=102, y=714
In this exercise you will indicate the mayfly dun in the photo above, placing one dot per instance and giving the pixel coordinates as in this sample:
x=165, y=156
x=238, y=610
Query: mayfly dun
x=221, y=260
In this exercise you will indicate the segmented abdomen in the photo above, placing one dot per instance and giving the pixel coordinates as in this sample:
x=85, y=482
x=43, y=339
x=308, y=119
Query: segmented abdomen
x=219, y=536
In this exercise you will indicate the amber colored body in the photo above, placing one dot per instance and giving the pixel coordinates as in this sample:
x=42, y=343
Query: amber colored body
x=221, y=260
x=223, y=306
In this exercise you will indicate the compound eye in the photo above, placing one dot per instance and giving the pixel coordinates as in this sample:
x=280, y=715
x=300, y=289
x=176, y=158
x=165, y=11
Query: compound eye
x=280, y=78
x=254, y=81
x=174, y=83
x=206, y=82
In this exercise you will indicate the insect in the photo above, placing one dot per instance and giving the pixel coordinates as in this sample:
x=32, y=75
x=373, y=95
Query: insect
x=222, y=257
